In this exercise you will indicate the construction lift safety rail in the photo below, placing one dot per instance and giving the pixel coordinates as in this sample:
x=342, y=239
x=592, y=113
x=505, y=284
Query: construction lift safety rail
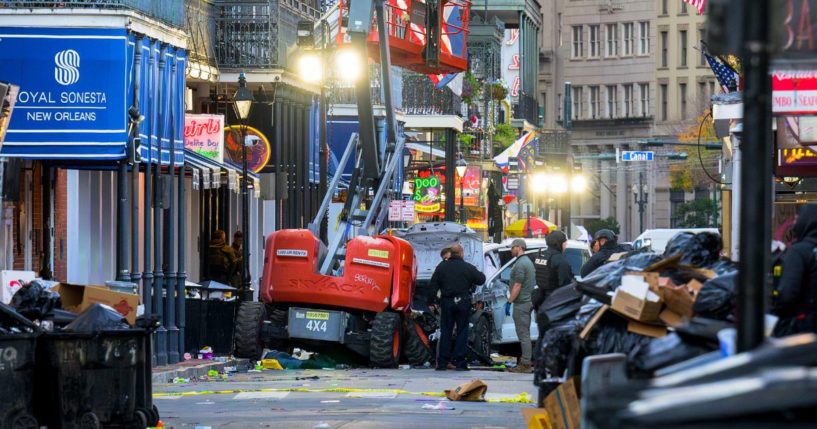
x=357, y=292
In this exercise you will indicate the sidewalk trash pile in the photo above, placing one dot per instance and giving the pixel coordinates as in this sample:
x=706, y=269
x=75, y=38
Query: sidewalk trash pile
x=657, y=309
x=78, y=358
x=287, y=361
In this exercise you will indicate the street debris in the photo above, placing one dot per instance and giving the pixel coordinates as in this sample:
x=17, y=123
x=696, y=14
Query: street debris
x=321, y=425
x=473, y=390
x=98, y=317
x=271, y=364
x=441, y=406
x=206, y=353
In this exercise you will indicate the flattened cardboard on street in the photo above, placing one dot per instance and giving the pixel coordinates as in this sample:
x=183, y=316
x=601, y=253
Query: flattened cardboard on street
x=77, y=298
x=473, y=390
x=562, y=405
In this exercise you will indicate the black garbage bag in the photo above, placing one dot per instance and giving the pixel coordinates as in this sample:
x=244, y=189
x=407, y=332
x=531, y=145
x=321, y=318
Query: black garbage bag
x=556, y=349
x=12, y=322
x=34, y=300
x=610, y=335
x=695, y=249
x=723, y=266
x=562, y=304
x=703, y=332
x=98, y=317
x=717, y=297
x=663, y=352
x=607, y=277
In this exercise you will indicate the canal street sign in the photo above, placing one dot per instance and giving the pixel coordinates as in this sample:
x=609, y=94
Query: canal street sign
x=637, y=155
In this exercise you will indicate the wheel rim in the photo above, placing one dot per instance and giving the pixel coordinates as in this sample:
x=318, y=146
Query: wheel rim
x=25, y=421
x=485, y=341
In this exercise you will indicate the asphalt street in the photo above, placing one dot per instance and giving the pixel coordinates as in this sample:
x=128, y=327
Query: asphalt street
x=356, y=398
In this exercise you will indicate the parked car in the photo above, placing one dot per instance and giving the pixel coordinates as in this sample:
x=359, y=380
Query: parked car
x=657, y=239
x=494, y=293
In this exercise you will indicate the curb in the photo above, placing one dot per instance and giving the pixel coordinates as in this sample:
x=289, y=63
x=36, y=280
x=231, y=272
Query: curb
x=167, y=376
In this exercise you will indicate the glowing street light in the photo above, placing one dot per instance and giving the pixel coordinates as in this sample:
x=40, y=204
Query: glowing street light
x=348, y=65
x=578, y=183
x=310, y=68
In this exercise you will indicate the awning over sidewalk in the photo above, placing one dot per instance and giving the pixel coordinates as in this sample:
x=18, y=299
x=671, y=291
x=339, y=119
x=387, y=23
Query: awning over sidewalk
x=210, y=172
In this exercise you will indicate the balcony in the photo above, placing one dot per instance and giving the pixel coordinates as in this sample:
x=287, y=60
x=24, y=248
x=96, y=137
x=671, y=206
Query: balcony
x=421, y=97
x=257, y=34
x=171, y=12
x=201, y=28
x=345, y=93
x=526, y=108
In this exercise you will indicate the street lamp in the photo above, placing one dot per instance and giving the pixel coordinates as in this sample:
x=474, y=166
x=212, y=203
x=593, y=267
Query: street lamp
x=462, y=167
x=640, y=194
x=242, y=102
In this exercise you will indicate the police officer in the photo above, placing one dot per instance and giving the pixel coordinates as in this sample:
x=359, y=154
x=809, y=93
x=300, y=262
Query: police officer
x=523, y=282
x=794, y=300
x=552, y=268
x=456, y=281
x=608, y=246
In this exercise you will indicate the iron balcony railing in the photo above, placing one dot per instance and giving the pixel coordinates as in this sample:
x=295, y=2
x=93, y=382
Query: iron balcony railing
x=421, y=97
x=526, y=108
x=341, y=93
x=168, y=11
x=259, y=33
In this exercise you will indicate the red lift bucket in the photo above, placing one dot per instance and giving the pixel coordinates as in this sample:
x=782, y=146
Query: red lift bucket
x=407, y=35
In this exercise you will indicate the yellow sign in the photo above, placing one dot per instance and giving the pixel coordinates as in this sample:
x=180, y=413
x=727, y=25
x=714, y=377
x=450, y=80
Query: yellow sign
x=317, y=315
x=431, y=208
x=384, y=254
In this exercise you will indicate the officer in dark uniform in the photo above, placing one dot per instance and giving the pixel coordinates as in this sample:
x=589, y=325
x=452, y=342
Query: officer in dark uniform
x=608, y=246
x=552, y=269
x=456, y=281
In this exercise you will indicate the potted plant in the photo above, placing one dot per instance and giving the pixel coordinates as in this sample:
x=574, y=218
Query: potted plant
x=470, y=89
x=498, y=91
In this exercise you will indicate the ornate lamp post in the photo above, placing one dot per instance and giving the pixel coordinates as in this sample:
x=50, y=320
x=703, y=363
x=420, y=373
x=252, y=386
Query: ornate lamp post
x=242, y=102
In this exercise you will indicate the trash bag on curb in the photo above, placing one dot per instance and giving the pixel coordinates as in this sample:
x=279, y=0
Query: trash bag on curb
x=717, y=297
x=98, y=317
x=663, y=352
x=12, y=322
x=284, y=359
x=563, y=303
x=34, y=300
x=607, y=278
x=556, y=349
x=610, y=335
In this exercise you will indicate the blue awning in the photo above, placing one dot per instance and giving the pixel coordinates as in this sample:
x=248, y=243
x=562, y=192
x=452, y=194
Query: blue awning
x=209, y=166
x=76, y=86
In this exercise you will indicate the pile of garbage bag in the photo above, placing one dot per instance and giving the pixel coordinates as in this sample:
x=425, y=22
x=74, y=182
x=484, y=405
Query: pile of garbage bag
x=583, y=320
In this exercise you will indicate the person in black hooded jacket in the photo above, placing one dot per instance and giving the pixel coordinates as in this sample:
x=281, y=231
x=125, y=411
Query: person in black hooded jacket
x=608, y=246
x=795, y=299
x=552, y=269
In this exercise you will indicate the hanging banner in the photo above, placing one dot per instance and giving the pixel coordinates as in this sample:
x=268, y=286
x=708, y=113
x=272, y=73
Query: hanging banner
x=470, y=186
x=204, y=135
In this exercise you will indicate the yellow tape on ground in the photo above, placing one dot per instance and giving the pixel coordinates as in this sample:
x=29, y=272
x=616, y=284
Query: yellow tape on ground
x=522, y=398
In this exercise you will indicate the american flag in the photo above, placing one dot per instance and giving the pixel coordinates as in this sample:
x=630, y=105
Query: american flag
x=697, y=4
x=727, y=76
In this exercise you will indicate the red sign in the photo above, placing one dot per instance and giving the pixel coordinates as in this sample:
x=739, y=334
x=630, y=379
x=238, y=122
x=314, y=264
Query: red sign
x=794, y=92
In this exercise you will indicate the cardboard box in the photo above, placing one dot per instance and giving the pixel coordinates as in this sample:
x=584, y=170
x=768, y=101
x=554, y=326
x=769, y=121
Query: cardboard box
x=77, y=298
x=562, y=405
x=653, y=331
x=678, y=299
x=671, y=318
x=536, y=418
x=695, y=287
x=635, y=300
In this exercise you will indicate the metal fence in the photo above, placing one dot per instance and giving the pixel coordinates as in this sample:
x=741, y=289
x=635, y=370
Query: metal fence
x=527, y=108
x=168, y=11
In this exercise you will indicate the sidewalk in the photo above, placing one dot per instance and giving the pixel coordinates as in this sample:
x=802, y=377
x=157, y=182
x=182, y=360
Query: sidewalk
x=195, y=368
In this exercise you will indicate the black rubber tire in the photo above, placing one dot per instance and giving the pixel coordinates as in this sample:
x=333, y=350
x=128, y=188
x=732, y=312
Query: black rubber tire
x=89, y=421
x=24, y=421
x=384, y=344
x=248, y=322
x=154, y=416
x=482, y=338
x=416, y=351
x=140, y=420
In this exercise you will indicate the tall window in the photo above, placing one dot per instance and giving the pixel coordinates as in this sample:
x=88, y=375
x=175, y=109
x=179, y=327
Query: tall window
x=612, y=40
x=578, y=103
x=683, y=8
x=664, y=7
x=703, y=99
x=701, y=59
x=611, y=101
x=595, y=41
x=644, y=32
x=682, y=37
x=594, y=102
x=664, y=49
x=628, y=38
x=628, y=100
x=682, y=94
x=644, y=88
x=578, y=41
x=663, y=102
x=712, y=87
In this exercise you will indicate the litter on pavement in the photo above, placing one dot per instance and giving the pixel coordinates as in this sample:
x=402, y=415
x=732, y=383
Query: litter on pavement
x=440, y=406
